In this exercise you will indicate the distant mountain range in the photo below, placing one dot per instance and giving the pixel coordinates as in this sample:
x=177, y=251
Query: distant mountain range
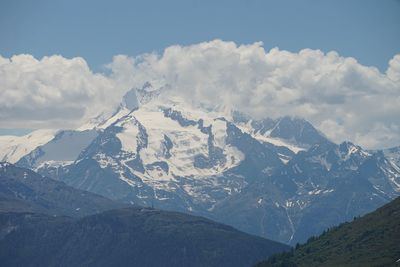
x=276, y=178
x=22, y=190
x=372, y=240
x=34, y=230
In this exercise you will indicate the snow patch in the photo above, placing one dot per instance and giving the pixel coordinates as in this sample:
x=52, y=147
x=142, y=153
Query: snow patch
x=128, y=136
x=13, y=148
x=265, y=138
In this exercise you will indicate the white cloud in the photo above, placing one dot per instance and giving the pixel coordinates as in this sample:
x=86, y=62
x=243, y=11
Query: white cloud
x=344, y=99
x=51, y=92
x=393, y=71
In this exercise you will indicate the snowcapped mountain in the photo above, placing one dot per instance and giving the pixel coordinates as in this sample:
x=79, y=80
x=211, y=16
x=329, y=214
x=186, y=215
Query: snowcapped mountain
x=323, y=186
x=60, y=151
x=15, y=147
x=393, y=154
x=278, y=178
x=170, y=155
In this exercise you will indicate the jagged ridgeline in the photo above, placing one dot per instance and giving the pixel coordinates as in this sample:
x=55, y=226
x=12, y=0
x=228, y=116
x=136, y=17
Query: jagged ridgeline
x=278, y=178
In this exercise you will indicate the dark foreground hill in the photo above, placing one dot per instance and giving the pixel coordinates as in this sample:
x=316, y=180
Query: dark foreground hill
x=22, y=190
x=127, y=237
x=42, y=223
x=372, y=240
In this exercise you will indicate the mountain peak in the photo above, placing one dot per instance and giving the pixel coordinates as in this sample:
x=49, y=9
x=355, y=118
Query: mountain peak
x=347, y=149
x=297, y=129
x=294, y=130
x=149, y=91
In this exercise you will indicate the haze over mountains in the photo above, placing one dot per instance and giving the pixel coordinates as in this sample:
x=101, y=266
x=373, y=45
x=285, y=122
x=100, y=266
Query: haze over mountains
x=22, y=190
x=47, y=223
x=372, y=240
x=277, y=178
x=127, y=237
x=199, y=133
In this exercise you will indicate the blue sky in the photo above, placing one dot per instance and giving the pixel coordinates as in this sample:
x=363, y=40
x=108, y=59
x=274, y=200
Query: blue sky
x=59, y=78
x=97, y=30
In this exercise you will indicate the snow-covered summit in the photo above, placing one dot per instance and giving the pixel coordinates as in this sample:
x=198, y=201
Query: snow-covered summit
x=157, y=148
x=12, y=148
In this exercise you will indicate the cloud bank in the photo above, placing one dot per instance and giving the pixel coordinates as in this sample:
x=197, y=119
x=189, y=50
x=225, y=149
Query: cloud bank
x=344, y=99
x=52, y=92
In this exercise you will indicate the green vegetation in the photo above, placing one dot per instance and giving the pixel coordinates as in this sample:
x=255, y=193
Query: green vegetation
x=372, y=240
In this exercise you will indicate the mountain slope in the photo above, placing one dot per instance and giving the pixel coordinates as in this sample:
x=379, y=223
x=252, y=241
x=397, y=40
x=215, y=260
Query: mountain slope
x=127, y=237
x=372, y=240
x=175, y=160
x=23, y=190
x=321, y=187
x=393, y=154
x=269, y=177
x=14, y=148
x=62, y=150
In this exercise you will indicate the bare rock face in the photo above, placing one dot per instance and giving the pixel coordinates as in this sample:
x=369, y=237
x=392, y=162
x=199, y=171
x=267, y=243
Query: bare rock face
x=278, y=178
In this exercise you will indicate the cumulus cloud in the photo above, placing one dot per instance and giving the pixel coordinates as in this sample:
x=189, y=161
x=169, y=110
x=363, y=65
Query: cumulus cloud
x=393, y=71
x=52, y=92
x=344, y=99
